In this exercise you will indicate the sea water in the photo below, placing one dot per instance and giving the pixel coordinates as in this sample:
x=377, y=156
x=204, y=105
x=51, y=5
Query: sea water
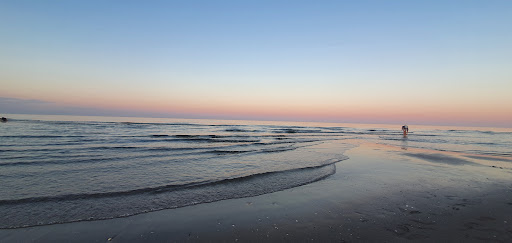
x=56, y=169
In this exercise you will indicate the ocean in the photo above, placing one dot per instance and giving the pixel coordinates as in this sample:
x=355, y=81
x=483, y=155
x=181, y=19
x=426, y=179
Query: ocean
x=58, y=169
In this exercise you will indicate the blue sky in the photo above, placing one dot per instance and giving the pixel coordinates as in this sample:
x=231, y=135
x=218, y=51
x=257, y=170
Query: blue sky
x=422, y=62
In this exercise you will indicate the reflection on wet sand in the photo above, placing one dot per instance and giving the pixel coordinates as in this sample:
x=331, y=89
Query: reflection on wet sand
x=404, y=143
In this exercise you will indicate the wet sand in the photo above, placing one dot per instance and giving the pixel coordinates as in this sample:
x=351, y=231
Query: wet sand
x=380, y=194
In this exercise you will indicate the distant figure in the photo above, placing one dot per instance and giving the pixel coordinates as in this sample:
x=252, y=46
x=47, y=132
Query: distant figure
x=4, y=119
x=405, y=129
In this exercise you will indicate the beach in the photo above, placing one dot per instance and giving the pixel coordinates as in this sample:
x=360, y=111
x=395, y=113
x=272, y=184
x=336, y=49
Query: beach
x=255, y=121
x=381, y=193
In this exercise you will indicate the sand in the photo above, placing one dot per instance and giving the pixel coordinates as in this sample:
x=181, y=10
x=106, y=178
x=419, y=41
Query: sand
x=380, y=194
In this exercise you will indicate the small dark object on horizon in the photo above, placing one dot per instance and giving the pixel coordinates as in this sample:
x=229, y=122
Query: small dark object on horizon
x=4, y=119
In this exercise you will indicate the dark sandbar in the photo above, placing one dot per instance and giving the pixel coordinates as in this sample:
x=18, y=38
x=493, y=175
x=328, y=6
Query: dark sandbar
x=439, y=158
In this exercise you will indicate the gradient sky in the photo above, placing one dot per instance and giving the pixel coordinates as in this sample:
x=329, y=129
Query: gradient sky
x=415, y=62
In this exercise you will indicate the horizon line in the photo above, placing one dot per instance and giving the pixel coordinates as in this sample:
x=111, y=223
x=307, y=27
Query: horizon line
x=265, y=120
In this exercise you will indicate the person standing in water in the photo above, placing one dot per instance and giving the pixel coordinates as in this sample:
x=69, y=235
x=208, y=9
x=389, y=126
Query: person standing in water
x=405, y=129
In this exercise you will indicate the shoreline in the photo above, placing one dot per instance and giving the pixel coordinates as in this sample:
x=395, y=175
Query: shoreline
x=380, y=194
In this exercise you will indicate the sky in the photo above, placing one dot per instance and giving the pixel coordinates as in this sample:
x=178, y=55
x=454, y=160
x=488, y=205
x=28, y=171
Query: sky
x=405, y=62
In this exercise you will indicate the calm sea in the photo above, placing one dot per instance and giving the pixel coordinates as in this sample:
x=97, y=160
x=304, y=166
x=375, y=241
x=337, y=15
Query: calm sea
x=56, y=169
